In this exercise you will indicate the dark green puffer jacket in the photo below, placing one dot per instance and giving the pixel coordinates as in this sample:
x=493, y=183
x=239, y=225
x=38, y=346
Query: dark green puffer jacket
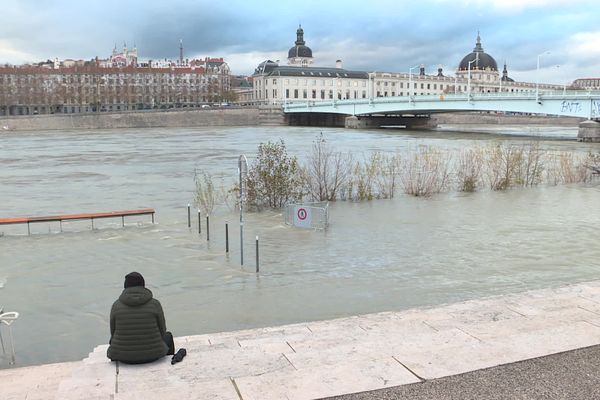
x=137, y=327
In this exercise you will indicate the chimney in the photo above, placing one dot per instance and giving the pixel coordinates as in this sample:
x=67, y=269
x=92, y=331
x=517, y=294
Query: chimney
x=338, y=64
x=422, y=70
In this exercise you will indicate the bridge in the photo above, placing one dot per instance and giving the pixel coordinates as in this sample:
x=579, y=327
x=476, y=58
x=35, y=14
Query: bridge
x=564, y=103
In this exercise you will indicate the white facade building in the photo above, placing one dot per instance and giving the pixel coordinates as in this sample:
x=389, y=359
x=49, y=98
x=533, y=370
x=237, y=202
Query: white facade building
x=298, y=81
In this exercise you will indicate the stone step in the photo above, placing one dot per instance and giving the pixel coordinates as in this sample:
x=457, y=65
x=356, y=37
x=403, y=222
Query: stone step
x=325, y=358
x=37, y=382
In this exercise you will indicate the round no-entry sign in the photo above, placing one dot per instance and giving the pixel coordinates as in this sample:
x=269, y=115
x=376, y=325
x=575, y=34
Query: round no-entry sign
x=302, y=216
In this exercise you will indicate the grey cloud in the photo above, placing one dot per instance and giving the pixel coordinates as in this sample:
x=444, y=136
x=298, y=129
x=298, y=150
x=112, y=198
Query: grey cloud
x=429, y=32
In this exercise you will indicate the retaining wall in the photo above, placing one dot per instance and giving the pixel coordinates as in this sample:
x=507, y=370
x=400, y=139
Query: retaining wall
x=502, y=119
x=149, y=119
x=241, y=117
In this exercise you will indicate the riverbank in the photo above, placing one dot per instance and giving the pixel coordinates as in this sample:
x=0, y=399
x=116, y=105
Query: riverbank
x=247, y=116
x=133, y=119
x=503, y=119
x=327, y=358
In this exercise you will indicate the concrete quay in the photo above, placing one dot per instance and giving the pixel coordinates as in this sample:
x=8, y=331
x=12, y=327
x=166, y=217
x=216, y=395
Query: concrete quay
x=329, y=358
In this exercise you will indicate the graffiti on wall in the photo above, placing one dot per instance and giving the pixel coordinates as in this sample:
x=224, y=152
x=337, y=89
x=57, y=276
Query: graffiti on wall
x=569, y=107
x=595, y=108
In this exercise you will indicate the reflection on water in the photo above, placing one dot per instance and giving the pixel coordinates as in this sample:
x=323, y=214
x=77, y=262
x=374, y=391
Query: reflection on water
x=380, y=255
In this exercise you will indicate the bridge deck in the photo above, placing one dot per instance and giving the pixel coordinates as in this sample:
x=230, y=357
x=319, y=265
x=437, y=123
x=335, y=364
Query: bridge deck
x=579, y=104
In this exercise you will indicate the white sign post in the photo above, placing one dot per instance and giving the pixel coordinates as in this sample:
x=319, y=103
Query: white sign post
x=302, y=217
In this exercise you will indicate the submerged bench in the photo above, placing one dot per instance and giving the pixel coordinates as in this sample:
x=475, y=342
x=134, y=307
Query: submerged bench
x=75, y=217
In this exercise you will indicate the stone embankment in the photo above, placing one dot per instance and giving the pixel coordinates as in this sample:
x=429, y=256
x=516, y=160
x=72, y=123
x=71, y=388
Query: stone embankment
x=262, y=115
x=502, y=119
x=271, y=115
x=137, y=119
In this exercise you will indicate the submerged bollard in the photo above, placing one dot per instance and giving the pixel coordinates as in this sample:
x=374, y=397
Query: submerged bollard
x=189, y=217
x=207, y=229
x=226, y=237
x=241, y=243
x=199, y=222
x=257, y=254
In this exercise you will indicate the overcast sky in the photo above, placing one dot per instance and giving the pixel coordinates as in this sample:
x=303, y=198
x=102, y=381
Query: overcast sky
x=373, y=35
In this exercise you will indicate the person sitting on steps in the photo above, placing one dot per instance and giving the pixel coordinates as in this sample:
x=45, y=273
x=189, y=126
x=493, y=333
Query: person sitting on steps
x=138, y=332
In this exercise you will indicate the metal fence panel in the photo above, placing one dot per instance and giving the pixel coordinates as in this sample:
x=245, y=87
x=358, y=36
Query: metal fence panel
x=307, y=215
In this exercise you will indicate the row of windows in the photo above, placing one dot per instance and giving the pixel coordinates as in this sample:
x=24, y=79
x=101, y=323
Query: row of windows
x=415, y=85
x=104, y=100
x=315, y=82
x=348, y=83
x=322, y=94
x=329, y=95
x=102, y=79
x=588, y=82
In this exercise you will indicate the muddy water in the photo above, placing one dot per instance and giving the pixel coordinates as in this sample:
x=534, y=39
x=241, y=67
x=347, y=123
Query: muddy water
x=375, y=256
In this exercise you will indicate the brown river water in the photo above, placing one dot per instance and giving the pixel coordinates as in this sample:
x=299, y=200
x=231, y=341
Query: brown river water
x=375, y=256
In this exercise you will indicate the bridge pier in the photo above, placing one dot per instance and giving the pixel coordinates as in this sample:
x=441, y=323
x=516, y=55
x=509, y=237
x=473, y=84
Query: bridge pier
x=589, y=131
x=353, y=122
x=377, y=121
x=315, y=119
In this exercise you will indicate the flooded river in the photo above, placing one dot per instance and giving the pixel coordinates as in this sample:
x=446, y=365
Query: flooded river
x=375, y=256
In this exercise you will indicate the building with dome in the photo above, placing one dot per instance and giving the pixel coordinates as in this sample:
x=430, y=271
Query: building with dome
x=477, y=72
x=300, y=54
x=481, y=68
x=299, y=80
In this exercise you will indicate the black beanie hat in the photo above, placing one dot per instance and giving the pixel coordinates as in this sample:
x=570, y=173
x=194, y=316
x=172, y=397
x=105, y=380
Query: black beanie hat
x=134, y=279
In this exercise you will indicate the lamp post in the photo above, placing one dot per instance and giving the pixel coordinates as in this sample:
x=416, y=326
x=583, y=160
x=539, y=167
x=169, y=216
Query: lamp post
x=475, y=60
x=370, y=86
x=242, y=170
x=469, y=78
x=456, y=81
x=410, y=82
x=537, y=77
x=564, y=85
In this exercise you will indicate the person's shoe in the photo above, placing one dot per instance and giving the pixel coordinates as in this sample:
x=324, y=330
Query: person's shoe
x=178, y=356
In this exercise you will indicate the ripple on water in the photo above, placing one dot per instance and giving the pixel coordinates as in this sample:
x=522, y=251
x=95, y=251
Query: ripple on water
x=117, y=237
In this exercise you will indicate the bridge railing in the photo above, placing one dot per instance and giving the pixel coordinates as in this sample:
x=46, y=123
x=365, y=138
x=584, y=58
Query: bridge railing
x=567, y=94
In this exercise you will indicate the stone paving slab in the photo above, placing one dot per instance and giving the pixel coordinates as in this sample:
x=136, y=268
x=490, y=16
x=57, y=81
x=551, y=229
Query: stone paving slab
x=39, y=382
x=95, y=379
x=326, y=358
x=564, y=376
x=326, y=380
x=209, y=390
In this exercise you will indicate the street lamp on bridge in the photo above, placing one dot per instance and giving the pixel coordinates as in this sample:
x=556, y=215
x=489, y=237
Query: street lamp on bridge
x=476, y=61
x=410, y=82
x=537, y=77
x=469, y=75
